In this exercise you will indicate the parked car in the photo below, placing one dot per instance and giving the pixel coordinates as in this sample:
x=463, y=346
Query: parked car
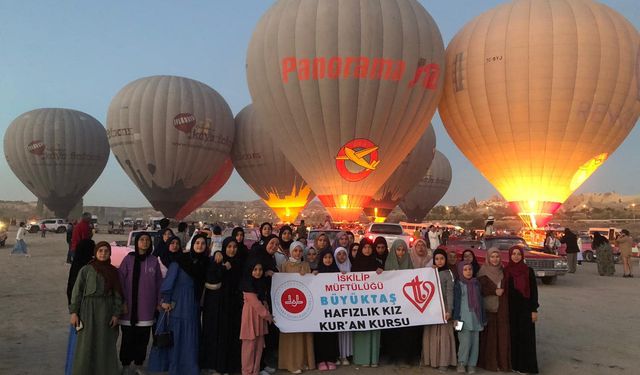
x=547, y=267
x=52, y=225
x=120, y=249
x=390, y=232
x=3, y=234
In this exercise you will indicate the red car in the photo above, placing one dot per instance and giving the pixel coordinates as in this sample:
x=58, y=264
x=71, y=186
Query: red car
x=546, y=266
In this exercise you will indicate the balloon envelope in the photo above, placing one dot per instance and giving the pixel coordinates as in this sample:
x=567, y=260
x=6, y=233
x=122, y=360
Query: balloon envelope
x=264, y=167
x=346, y=88
x=538, y=94
x=58, y=154
x=406, y=176
x=171, y=135
x=208, y=190
x=431, y=188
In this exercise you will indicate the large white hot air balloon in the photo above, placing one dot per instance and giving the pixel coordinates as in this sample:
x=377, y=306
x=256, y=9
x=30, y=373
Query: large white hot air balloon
x=406, y=176
x=538, y=95
x=346, y=88
x=171, y=135
x=433, y=186
x=58, y=154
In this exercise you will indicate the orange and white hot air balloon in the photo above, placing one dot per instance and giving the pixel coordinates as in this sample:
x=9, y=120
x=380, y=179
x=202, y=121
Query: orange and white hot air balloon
x=538, y=95
x=346, y=88
x=263, y=166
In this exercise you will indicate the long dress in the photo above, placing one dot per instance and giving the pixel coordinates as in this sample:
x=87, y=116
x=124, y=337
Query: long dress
x=438, y=342
x=221, y=315
x=95, y=351
x=495, y=340
x=295, y=351
x=523, y=330
x=184, y=321
x=604, y=257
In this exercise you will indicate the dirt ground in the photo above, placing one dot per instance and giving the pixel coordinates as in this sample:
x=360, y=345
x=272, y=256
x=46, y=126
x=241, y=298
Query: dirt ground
x=587, y=324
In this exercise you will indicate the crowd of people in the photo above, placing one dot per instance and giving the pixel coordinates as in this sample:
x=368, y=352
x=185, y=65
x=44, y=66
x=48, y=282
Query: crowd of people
x=211, y=310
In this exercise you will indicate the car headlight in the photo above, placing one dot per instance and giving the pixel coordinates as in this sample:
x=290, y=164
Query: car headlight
x=560, y=263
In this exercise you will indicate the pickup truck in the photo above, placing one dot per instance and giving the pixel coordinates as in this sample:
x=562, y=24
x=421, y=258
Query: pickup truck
x=390, y=232
x=547, y=267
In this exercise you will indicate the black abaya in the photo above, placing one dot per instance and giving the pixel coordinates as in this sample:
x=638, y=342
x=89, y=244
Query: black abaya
x=523, y=330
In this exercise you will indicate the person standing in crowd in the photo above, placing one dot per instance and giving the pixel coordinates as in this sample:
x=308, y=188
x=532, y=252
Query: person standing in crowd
x=470, y=257
x=216, y=239
x=285, y=235
x=420, y=255
x=571, y=240
x=265, y=233
x=604, y=255
x=43, y=230
x=69, y=234
x=81, y=231
x=180, y=295
x=342, y=240
x=625, y=244
x=21, y=246
x=140, y=278
x=96, y=304
x=327, y=223
x=416, y=233
x=366, y=344
x=468, y=309
x=301, y=231
x=401, y=345
x=183, y=232
x=191, y=229
x=345, y=339
x=445, y=236
x=84, y=254
x=161, y=247
x=353, y=251
x=438, y=343
x=174, y=251
x=326, y=343
x=255, y=317
x=551, y=243
x=489, y=230
x=222, y=311
x=382, y=250
x=351, y=237
x=522, y=291
x=243, y=252
x=312, y=258
x=433, y=240
x=452, y=261
x=295, y=350
x=495, y=339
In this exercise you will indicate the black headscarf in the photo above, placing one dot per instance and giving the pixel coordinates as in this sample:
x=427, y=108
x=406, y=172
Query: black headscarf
x=598, y=240
x=446, y=262
x=83, y=254
x=168, y=257
x=135, y=283
x=195, y=265
x=161, y=246
x=365, y=263
x=262, y=239
x=233, y=276
x=252, y=285
x=243, y=251
x=322, y=268
x=351, y=257
x=382, y=259
x=285, y=244
x=474, y=262
x=259, y=251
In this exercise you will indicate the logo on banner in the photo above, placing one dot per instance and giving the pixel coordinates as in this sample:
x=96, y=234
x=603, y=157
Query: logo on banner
x=361, y=152
x=419, y=293
x=295, y=300
x=184, y=122
x=36, y=148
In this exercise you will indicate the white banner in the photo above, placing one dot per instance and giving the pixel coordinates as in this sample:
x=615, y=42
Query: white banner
x=359, y=301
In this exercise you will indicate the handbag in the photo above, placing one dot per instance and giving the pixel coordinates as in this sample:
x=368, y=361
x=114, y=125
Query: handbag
x=163, y=337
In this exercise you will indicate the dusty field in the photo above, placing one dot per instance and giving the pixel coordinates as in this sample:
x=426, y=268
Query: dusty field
x=588, y=324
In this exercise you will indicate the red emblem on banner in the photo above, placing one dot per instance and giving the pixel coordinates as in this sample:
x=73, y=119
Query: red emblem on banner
x=293, y=300
x=419, y=293
x=363, y=154
x=184, y=122
x=36, y=148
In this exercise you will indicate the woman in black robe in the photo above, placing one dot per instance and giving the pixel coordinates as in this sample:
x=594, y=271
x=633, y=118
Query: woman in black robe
x=523, y=312
x=382, y=250
x=238, y=234
x=220, y=347
x=325, y=344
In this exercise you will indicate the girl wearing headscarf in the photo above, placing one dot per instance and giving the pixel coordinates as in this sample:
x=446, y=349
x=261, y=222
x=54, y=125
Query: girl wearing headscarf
x=401, y=345
x=266, y=230
x=83, y=255
x=140, y=278
x=342, y=240
x=96, y=304
x=522, y=292
x=469, y=256
x=180, y=294
x=255, y=317
x=495, y=342
x=382, y=250
x=345, y=339
x=366, y=344
x=295, y=351
x=604, y=255
x=353, y=251
x=174, y=251
x=420, y=254
x=467, y=307
x=162, y=244
x=285, y=236
x=326, y=343
x=452, y=261
x=238, y=234
x=222, y=311
x=438, y=342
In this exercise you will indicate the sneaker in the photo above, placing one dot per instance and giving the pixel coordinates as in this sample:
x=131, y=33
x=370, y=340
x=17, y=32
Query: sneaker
x=374, y=365
x=322, y=366
x=298, y=371
x=332, y=366
x=443, y=368
x=270, y=370
x=471, y=370
x=345, y=362
x=263, y=372
x=460, y=368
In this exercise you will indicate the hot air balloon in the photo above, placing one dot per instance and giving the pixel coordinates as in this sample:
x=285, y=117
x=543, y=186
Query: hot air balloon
x=406, y=176
x=538, y=95
x=208, y=190
x=433, y=186
x=58, y=154
x=346, y=88
x=171, y=135
x=263, y=166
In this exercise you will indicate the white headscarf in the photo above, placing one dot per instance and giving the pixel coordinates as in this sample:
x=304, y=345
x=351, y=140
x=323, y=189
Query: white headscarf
x=343, y=267
x=293, y=245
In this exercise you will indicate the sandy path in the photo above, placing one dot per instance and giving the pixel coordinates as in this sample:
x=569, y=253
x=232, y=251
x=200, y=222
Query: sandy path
x=588, y=324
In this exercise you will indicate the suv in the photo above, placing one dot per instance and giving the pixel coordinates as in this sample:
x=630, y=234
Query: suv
x=52, y=225
x=390, y=232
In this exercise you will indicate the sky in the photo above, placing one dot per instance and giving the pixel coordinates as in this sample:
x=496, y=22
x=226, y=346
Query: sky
x=79, y=54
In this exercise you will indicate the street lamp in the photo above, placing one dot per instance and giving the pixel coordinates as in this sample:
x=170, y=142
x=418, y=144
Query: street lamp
x=633, y=209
